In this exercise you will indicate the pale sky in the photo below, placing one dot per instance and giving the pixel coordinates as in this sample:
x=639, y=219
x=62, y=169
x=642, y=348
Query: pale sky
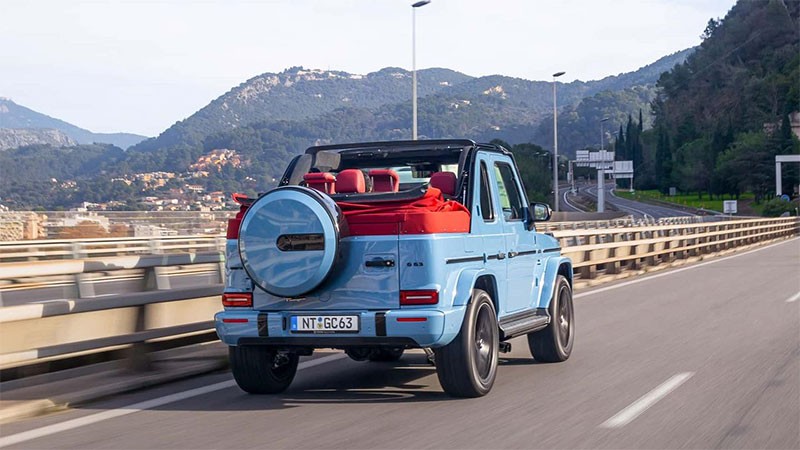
x=141, y=65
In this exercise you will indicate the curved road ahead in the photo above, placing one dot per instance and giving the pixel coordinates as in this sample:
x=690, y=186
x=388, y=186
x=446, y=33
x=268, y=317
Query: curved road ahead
x=705, y=356
x=637, y=209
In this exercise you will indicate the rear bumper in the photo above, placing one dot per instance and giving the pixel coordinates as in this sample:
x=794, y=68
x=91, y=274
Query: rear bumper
x=248, y=327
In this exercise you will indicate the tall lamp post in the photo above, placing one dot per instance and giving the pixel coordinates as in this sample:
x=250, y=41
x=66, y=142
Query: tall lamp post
x=414, y=7
x=555, y=142
x=601, y=174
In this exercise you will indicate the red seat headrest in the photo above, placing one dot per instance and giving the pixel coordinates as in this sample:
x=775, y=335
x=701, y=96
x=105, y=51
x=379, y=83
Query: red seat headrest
x=321, y=181
x=445, y=182
x=351, y=181
x=384, y=180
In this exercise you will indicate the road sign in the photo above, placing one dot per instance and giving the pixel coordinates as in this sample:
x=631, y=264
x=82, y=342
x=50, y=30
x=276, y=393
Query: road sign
x=602, y=159
x=729, y=206
x=623, y=169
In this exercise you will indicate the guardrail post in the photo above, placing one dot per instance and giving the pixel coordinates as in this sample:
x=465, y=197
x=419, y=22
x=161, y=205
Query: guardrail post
x=77, y=250
x=156, y=279
x=84, y=285
x=155, y=246
x=589, y=271
x=139, y=359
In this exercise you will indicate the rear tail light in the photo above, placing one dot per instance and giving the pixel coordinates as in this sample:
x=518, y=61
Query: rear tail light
x=238, y=299
x=233, y=224
x=419, y=298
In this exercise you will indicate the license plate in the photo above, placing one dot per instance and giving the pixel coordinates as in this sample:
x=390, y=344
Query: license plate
x=324, y=324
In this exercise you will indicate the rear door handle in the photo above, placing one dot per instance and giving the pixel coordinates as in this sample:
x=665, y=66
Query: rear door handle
x=501, y=255
x=380, y=263
x=512, y=254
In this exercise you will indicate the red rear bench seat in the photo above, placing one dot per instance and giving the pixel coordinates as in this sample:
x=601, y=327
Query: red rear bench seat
x=427, y=214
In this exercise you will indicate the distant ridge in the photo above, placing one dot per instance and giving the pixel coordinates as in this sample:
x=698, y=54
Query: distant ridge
x=16, y=116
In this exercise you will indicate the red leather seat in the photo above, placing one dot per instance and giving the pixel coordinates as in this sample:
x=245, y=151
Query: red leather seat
x=445, y=182
x=321, y=181
x=384, y=180
x=351, y=181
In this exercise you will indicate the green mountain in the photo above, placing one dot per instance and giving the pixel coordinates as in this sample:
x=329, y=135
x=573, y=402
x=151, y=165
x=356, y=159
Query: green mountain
x=297, y=94
x=272, y=117
x=723, y=115
x=16, y=116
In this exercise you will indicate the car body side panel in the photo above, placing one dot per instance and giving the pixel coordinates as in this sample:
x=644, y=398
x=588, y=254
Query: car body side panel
x=549, y=278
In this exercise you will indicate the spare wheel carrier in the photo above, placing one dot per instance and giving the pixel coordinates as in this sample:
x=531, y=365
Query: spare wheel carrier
x=289, y=240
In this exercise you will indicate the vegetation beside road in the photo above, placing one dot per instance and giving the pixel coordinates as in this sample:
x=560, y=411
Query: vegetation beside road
x=687, y=200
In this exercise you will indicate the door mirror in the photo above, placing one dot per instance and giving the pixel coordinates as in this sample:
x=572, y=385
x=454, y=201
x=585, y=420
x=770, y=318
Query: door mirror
x=537, y=212
x=541, y=212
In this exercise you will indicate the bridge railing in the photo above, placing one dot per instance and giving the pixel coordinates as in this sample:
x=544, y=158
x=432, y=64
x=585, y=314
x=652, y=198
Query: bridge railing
x=93, y=248
x=86, y=323
x=83, y=322
x=613, y=250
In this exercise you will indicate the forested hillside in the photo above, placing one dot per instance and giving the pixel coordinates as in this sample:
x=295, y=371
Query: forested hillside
x=303, y=96
x=44, y=175
x=272, y=117
x=722, y=116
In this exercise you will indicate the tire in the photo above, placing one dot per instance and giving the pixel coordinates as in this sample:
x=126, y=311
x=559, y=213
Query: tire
x=467, y=367
x=554, y=343
x=255, y=372
x=386, y=354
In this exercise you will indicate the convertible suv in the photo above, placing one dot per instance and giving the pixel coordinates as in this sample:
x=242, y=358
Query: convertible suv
x=379, y=247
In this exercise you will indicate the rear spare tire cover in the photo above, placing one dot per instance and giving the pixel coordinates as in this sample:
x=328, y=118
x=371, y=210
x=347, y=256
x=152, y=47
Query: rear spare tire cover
x=289, y=240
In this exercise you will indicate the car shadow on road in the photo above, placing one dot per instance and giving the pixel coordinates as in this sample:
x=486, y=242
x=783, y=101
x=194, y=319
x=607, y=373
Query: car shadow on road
x=412, y=379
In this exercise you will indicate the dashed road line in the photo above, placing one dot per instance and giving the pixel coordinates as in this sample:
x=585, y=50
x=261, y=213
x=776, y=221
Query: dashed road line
x=644, y=403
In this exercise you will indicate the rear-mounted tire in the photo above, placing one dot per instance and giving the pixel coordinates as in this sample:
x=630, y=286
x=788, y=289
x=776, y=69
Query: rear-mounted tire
x=289, y=240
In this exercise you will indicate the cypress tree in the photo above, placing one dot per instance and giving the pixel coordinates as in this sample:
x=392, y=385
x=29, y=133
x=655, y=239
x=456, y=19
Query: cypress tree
x=641, y=121
x=663, y=163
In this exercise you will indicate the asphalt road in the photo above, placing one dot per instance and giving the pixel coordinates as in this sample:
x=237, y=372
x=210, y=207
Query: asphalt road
x=637, y=209
x=705, y=356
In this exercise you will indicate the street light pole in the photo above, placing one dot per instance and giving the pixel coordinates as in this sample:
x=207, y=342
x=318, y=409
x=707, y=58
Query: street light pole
x=414, y=66
x=555, y=142
x=601, y=174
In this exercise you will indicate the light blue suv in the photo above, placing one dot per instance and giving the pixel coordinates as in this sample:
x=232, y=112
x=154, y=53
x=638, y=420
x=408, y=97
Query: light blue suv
x=379, y=247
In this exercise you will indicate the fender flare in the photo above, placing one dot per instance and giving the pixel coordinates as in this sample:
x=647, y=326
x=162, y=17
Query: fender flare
x=549, y=278
x=466, y=281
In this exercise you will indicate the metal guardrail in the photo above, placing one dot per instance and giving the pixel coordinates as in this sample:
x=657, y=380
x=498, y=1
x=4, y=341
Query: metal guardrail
x=86, y=323
x=17, y=251
x=612, y=250
x=41, y=331
x=615, y=223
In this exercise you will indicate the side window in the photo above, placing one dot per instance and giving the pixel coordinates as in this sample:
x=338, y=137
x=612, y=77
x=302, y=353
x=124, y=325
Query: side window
x=510, y=199
x=487, y=211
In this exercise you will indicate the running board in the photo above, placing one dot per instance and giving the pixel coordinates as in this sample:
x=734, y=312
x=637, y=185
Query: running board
x=523, y=323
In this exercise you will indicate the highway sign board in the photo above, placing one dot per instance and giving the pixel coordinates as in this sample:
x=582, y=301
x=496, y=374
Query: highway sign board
x=729, y=206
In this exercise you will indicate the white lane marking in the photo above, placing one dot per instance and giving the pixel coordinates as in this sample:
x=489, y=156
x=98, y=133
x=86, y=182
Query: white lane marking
x=793, y=298
x=674, y=271
x=636, y=408
x=141, y=406
x=644, y=214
